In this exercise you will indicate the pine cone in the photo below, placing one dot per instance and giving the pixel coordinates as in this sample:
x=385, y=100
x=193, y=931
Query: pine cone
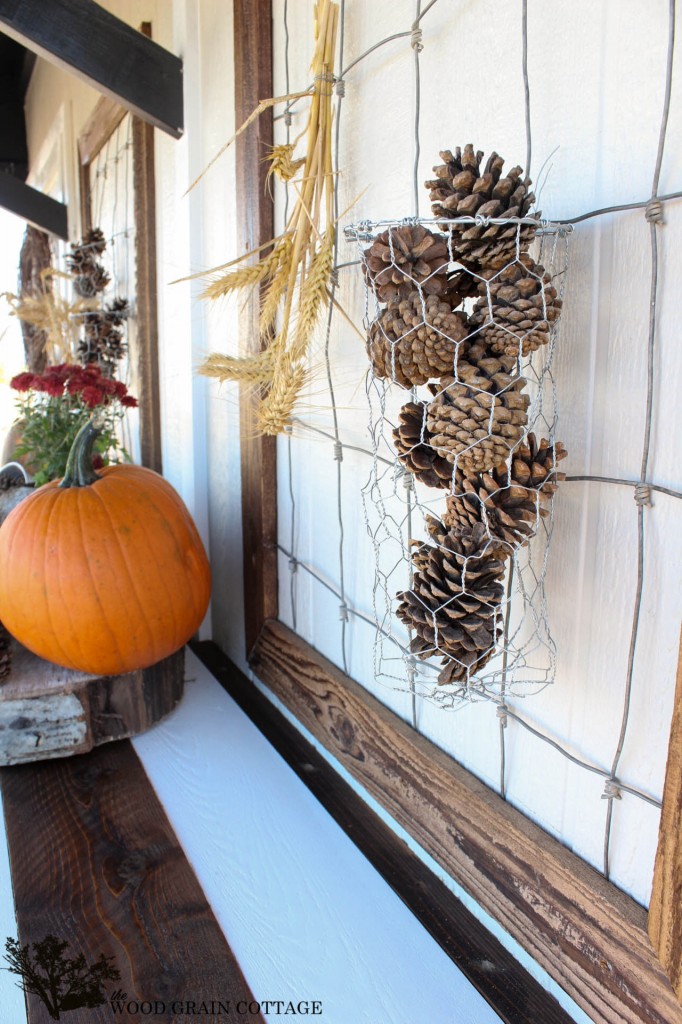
x=507, y=499
x=402, y=258
x=460, y=285
x=416, y=339
x=453, y=606
x=479, y=417
x=523, y=304
x=460, y=189
x=412, y=441
x=5, y=653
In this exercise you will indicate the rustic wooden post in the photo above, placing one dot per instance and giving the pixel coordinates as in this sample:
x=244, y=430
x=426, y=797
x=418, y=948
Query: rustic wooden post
x=665, y=911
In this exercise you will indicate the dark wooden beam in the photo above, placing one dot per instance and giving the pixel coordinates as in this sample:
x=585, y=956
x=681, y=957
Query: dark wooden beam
x=104, y=51
x=33, y=206
x=514, y=995
x=95, y=862
x=255, y=227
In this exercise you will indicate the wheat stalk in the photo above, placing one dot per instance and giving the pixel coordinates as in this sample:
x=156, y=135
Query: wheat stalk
x=294, y=277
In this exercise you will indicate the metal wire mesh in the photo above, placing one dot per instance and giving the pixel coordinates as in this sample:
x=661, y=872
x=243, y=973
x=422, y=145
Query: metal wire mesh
x=397, y=505
x=419, y=349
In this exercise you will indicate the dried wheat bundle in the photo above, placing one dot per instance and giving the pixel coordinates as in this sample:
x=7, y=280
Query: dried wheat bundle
x=54, y=314
x=294, y=276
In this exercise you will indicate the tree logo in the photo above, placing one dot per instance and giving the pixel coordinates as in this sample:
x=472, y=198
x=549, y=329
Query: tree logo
x=61, y=982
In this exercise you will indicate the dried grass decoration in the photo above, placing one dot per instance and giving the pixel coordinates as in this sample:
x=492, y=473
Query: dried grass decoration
x=53, y=313
x=294, y=276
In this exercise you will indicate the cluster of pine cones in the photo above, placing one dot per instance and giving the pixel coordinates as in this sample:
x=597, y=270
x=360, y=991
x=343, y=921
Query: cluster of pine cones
x=469, y=437
x=103, y=329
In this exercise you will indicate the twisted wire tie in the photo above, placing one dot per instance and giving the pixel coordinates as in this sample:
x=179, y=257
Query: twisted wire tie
x=411, y=669
x=340, y=87
x=325, y=77
x=288, y=428
x=343, y=612
x=611, y=790
x=653, y=211
x=407, y=480
x=482, y=220
x=334, y=277
x=643, y=494
x=502, y=715
x=338, y=451
x=287, y=118
x=293, y=565
x=416, y=38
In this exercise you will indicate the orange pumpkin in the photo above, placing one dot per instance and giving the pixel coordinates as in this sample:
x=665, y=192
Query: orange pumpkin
x=104, y=572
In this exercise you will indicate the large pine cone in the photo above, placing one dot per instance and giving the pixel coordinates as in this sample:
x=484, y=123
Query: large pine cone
x=478, y=418
x=522, y=306
x=460, y=189
x=508, y=500
x=413, y=443
x=403, y=258
x=416, y=339
x=90, y=277
x=454, y=604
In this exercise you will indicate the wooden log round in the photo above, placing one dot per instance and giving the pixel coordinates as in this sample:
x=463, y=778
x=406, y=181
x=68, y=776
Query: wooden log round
x=49, y=712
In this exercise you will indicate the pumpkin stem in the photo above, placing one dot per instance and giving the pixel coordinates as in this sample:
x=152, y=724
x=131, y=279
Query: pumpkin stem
x=79, y=468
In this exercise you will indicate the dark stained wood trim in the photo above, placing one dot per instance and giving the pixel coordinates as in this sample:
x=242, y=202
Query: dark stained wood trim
x=514, y=995
x=108, y=54
x=99, y=127
x=146, y=298
x=585, y=932
x=665, y=910
x=96, y=863
x=29, y=204
x=255, y=227
x=105, y=118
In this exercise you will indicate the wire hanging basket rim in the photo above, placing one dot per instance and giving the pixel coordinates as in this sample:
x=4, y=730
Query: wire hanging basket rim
x=365, y=230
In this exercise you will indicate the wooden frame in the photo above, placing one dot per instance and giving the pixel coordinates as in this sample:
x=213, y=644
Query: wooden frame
x=585, y=932
x=103, y=121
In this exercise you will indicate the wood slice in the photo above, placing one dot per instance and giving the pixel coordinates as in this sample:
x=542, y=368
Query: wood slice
x=47, y=711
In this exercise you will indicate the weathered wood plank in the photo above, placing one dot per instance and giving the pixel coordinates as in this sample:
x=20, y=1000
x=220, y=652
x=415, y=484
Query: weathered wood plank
x=96, y=863
x=38, y=209
x=585, y=932
x=102, y=123
x=255, y=227
x=514, y=995
x=665, y=910
x=47, y=711
x=146, y=298
x=84, y=38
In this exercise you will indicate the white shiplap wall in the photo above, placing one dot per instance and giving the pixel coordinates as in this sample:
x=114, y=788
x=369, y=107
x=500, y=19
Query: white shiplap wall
x=597, y=82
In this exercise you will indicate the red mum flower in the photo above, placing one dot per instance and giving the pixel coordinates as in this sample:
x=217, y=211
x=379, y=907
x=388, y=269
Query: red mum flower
x=129, y=402
x=92, y=396
x=22, y=381
x=54, y=386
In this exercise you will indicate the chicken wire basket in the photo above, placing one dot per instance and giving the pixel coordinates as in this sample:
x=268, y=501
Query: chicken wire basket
x=462, y=419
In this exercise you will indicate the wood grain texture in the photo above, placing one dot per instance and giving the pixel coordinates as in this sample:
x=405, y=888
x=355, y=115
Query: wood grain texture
x=514, y=995
x=665, y=910
x=587, y=934
x=255, y=226
x=95, y=862
x=105, y=118
x=146, y=299
x=33, y=206
x=48, y=712
x=104, y=51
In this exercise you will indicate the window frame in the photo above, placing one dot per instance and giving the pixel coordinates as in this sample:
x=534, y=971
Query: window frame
x=589, y=936
x=100, y=126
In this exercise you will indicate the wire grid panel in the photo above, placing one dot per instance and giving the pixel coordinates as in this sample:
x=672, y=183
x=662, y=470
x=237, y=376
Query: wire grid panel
x=112, y=209
x=419, y=344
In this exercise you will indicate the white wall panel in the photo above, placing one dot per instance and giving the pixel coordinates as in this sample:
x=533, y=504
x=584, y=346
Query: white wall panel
x=596, y=78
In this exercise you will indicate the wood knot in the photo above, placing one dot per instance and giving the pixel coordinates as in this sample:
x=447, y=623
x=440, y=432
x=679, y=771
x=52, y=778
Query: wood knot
x=343, y=732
